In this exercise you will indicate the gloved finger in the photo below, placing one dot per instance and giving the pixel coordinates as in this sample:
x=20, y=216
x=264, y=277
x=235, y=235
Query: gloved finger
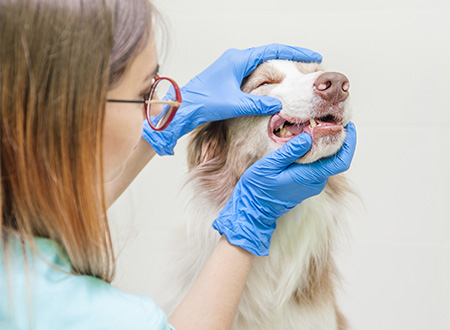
x=286, y=52
x=337, y=163
x=277, y=51
x=259, y=105
x=287, y=154
x=298, y=174
x=341, y=162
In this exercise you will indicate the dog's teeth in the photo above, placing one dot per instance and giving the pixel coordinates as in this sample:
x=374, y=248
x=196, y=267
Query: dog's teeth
x=313, y=123
x=279, y=128
x=285, y=132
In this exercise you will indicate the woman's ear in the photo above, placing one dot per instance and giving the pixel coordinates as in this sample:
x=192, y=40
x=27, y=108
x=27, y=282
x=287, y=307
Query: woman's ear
x=208, y=144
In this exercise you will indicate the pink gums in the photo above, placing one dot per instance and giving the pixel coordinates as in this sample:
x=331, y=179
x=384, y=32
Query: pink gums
x=325, y=128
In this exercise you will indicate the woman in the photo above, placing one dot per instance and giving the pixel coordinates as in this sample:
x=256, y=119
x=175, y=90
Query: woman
x=74, y=75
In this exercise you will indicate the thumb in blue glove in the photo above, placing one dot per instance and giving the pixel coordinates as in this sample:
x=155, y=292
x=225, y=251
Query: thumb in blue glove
x=215, y=94
x=273, y=186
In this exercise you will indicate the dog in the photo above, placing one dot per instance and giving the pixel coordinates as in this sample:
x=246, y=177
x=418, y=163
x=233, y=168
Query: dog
x=295, y=286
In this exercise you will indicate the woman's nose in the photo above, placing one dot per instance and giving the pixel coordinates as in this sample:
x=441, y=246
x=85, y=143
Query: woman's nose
x=332, y=86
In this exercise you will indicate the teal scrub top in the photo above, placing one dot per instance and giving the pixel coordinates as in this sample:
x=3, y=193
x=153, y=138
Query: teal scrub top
x=50, y=299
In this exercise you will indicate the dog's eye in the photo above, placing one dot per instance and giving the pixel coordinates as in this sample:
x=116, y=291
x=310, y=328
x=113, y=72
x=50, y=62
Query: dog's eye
x=265, y=83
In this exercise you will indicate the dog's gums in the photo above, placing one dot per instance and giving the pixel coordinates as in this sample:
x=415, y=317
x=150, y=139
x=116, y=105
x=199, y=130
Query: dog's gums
x=282, y=129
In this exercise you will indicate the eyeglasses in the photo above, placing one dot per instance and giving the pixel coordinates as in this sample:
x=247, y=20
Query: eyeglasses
x=159, y=113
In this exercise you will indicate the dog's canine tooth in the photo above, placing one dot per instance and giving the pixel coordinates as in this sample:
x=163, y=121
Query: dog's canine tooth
x=313, y=122
x=279, y=128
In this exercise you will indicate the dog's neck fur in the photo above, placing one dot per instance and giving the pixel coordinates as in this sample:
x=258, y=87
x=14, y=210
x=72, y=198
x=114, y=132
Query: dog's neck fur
x=299, y=275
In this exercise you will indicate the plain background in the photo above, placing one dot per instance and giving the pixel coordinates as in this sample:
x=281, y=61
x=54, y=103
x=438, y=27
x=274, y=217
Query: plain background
x=397, y=57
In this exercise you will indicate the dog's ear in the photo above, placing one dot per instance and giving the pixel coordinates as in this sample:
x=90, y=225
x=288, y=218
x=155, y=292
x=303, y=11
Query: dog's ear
x=208, y=144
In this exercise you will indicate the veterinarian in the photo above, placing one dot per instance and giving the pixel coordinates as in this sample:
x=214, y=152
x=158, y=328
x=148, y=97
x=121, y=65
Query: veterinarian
x=75, y=78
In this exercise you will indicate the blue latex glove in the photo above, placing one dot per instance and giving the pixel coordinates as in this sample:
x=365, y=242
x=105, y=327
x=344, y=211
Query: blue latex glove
x=215, y=94
x=273, y=186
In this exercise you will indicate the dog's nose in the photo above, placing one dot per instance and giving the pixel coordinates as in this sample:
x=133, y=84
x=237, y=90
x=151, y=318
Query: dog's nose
x=332, y=86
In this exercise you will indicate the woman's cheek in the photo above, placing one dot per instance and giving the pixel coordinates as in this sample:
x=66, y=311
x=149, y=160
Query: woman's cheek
x=122, y=132
x=130, y=134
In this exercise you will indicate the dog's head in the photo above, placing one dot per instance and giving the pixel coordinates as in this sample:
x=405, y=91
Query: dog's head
x=313, y=101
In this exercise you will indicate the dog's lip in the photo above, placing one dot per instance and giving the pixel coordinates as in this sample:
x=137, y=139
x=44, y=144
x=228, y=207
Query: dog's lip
x=299, y=125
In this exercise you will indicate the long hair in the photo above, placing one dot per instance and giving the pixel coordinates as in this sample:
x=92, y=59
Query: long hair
x=57, y=61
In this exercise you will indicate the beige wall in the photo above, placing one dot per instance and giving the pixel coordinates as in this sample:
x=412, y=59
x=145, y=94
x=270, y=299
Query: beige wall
x=397, y=57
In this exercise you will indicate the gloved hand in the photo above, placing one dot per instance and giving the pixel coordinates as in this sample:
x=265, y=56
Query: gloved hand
x=273, y=186
x=215, y=94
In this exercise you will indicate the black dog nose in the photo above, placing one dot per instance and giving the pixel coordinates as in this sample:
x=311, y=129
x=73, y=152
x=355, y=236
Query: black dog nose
x=332, y=86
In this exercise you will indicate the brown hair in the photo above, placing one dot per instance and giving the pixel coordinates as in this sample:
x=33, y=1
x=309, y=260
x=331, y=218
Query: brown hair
x=57, y=61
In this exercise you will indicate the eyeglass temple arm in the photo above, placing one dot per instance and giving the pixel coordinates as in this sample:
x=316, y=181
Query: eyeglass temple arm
x=172, y=103
x=125, y=101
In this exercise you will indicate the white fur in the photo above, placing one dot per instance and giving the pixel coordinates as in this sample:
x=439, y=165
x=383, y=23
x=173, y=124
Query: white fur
x=294, y=85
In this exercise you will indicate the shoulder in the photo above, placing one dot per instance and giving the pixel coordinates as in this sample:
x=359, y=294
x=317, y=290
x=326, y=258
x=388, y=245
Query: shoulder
x=90, y=303
x=55, y=299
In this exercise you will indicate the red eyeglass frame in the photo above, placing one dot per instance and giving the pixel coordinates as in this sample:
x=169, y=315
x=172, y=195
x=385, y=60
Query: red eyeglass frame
x=148, y=102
